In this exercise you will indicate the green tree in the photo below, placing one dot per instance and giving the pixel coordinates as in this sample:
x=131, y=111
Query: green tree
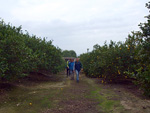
x=69, y=53
x=143, y=55
x=21, y=53
x=128, y=59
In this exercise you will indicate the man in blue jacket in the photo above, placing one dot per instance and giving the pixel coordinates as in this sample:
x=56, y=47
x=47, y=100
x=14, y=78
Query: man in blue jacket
x=78, y=67
x=71, y=68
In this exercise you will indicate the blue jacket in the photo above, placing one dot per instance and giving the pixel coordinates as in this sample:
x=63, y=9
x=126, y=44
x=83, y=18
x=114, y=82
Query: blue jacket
x=78, y=66
x=71, y=65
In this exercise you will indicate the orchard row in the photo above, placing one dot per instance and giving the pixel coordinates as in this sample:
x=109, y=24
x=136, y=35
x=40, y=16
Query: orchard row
x=21, y=53
x=123, y=59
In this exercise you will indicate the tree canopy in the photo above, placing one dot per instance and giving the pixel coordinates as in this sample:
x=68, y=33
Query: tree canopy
x=69, y=53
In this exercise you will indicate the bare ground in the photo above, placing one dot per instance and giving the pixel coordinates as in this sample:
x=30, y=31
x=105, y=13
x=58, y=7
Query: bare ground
x=58, y=94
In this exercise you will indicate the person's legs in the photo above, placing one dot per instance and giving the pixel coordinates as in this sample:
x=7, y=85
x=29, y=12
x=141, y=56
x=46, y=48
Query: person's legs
x=72, y=74
x=68, y=72
x=77, y=75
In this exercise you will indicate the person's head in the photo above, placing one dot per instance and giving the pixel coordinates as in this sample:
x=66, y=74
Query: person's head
x=77, y=59
x=71, y=60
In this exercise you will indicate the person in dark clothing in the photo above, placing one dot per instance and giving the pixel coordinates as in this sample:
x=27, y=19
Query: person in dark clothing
x=78, y=67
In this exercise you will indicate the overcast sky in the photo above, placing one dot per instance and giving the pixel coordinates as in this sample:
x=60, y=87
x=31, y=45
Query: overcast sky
x=76, y=24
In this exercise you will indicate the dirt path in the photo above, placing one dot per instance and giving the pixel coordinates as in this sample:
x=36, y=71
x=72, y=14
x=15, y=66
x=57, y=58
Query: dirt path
x=67, y=96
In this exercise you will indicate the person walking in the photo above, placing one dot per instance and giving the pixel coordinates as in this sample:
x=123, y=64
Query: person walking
x=71, y=68
x=78, y=67
x=67, y=68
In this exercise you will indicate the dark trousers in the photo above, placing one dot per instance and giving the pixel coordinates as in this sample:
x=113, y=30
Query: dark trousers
x=68, y=72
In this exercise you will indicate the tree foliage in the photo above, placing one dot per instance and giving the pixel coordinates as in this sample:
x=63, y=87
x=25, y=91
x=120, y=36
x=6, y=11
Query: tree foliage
x=21, y=53
x=123, y=59
x=67, y=53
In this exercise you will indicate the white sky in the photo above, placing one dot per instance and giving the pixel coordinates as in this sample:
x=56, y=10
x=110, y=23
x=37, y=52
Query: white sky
x=76, y=24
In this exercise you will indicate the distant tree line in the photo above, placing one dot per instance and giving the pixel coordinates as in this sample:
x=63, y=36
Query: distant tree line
x=69, y=53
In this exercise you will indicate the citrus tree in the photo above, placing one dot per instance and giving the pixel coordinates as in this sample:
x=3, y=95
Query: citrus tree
x=21, y=53
x=123, y=59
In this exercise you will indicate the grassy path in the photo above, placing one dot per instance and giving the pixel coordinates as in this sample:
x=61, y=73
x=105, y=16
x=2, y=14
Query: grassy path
x=67, y=96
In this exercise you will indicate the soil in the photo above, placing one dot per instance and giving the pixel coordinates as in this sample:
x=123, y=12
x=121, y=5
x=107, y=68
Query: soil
x=58, y=94
x=129, y=95
x=33, y=79
x=125, y=85
x=74, y=100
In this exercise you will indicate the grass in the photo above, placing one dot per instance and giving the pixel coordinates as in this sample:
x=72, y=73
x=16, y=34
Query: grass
x=29, y=100
x=36, y=99
x=101, y=96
